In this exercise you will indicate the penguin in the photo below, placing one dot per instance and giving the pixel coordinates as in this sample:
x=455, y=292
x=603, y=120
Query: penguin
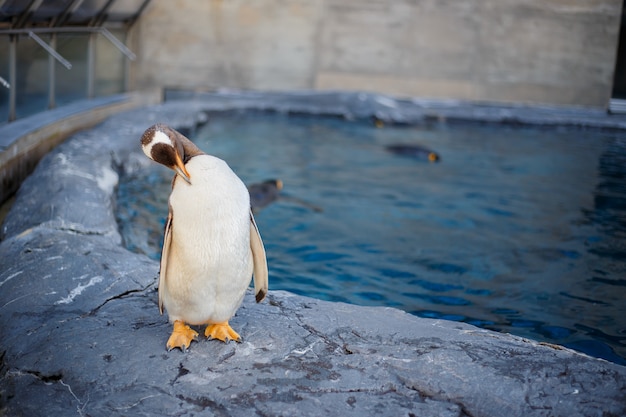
x=211, y=245
x=264, y=193
x=415, y=151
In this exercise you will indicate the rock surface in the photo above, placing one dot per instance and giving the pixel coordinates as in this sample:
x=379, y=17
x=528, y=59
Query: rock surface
x=81, y=333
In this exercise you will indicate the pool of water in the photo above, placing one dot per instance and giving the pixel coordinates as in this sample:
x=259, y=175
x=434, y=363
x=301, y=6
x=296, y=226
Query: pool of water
x=519, y=230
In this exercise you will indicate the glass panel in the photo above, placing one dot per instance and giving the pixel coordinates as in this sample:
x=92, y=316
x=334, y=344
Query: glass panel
x=87, y=10
x=50, y=9
x=110, y=65
x=32, y=77
x=124, y=10
x=12, y=8
x=120, y=10
x=72, y=84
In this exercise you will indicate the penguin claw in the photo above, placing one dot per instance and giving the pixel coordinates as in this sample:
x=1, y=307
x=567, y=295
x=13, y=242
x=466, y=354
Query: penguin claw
x=222, y=331
x=181, y=337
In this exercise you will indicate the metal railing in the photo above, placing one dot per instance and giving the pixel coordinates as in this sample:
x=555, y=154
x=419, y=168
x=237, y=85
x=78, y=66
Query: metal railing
x=54, y=55
x=25, y=22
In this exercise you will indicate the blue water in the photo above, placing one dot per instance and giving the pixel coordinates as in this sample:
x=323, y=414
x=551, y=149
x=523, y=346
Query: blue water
x=520, y=230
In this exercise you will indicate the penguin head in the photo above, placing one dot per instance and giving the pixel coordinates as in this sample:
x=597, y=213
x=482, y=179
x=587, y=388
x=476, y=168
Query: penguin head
x=163, y=144
x=276, y=183
x=433, y=157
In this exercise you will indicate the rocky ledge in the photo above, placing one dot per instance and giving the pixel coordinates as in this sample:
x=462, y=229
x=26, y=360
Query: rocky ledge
x=81, y=332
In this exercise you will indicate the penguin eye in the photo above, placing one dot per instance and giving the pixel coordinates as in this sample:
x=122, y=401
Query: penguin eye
x=163, y=154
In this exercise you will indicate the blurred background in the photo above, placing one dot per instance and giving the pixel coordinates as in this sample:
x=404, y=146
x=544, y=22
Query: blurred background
x=560, y=52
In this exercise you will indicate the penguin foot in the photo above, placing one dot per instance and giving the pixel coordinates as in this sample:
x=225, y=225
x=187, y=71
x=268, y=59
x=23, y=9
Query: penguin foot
x=181, y=336
x=221, y=331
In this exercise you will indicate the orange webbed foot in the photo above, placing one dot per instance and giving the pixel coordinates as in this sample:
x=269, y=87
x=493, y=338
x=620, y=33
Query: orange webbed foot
x=181, y=336
x=221, y=331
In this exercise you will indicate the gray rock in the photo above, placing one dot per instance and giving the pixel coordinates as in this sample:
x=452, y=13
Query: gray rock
x=81, y=332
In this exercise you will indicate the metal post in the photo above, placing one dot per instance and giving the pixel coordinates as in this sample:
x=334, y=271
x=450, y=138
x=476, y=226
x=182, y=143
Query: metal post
x=52, y=74
x=91, y=65
x=126, y=75
x=12, y=76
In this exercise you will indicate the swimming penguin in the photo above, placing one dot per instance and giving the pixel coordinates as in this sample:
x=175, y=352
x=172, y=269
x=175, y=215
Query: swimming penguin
x=264, y=193
x=211, y=246
x=415, y=151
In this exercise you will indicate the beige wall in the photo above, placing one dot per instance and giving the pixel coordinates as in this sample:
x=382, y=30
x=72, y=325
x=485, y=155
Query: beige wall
x=541, y=51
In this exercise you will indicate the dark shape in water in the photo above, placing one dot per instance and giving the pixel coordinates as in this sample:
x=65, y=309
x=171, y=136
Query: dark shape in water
x=415, y=151
x=265, y=193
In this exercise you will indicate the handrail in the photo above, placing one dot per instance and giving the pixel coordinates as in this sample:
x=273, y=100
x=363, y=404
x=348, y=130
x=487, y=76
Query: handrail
x=74, y=29
x=50, y=50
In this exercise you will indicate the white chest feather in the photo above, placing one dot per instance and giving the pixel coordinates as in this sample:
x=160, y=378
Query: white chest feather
x=210, y=261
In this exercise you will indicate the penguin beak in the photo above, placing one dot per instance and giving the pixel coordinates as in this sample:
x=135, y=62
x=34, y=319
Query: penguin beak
x=181, y=170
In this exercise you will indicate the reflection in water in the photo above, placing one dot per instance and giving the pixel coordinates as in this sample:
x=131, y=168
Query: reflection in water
x=608, y=249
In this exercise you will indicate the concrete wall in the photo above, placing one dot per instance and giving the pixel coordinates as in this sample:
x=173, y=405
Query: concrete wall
x=536, y=51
